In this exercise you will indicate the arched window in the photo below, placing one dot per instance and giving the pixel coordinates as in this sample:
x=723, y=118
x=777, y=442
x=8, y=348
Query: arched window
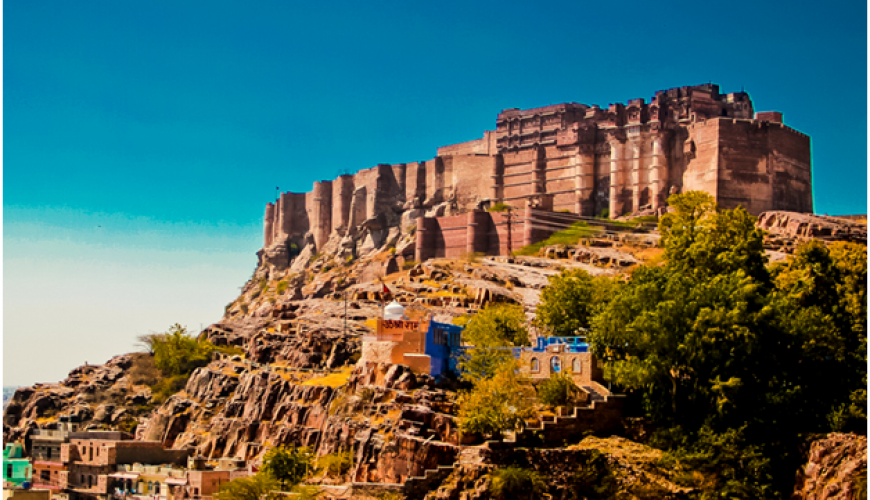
x=536, y=366
x=555, y=364
x=575, y=366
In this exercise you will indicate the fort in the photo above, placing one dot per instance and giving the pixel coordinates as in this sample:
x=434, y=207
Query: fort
x=587, y=160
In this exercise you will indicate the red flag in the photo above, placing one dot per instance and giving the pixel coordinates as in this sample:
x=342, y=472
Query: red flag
x=387, y=292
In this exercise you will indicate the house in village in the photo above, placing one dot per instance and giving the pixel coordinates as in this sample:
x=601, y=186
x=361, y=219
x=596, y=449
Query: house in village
x=426, y=346
x=17, y=469
x=569, y=356
x=69, y=464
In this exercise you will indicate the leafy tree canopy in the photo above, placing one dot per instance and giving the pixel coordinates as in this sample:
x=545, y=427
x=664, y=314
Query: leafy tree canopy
x=498, y=325
x=480, y=363
x=497, y=404
x=722, y=349
x=289, y=465
x=257, y=487
x=556, y=390
x=177, y=352
x=570, y=300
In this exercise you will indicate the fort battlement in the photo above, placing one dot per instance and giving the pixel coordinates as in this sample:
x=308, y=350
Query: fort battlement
x=625, y=158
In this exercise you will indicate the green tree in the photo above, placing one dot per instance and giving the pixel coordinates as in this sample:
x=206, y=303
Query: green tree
x=556, y=390
x=498, y=325
x=822, y=295
x=570, y=300
x=593, y=479
x=695, y=335
x=260, y=486
x=480, y=363
x=336, y=464
x=288, y=465
x=703, y=242
x=736, y=358
x=177, y=352
x=517, y=482
x=498, y=404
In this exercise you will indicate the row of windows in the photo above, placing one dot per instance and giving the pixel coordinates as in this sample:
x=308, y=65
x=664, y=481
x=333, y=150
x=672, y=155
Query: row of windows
x=556, y=365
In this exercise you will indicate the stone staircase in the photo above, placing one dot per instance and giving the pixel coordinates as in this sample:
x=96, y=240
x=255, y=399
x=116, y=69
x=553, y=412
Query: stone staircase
x=594, y=394
x=604, y=414
x=418, y=486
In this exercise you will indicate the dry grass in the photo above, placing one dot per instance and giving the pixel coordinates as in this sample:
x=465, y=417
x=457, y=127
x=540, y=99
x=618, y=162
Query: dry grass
x=337, y=379
x=143, y=371
x=649, y=256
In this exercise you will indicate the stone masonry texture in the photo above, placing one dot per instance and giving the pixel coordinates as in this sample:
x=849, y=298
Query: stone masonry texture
x=624, y=158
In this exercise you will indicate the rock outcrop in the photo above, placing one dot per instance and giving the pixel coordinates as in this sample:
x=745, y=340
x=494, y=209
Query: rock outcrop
x=787, y=229
x=836, y=469
x=113, y=395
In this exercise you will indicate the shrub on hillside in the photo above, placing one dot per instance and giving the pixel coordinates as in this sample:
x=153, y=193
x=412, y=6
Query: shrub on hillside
x=517, y=483
x=556, y=390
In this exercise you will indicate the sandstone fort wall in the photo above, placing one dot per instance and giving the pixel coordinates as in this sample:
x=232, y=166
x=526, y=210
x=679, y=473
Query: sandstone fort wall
x=624, y=158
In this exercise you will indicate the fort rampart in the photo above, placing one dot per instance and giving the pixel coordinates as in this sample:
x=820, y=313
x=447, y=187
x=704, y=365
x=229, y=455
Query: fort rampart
x=588, y=160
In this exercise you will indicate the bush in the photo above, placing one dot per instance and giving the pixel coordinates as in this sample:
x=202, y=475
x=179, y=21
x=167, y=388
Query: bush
x=166, y=387
x=366, y=394
x=500, y=207
x=498, y=325
x=260, y=486
x=128, y=425
x=288, y=465
x=732, y=467
x=408, y=264
x=516, y=482
x=498, y=404
x=177, y=353
x=570, y=300
x=282, y=287
x=556, y=390
x=594, y=479
x=569, y=236
x=294, y=250
x=143, y=371
x=336, y=464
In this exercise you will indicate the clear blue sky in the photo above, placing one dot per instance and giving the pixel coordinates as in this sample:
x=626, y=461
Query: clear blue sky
x=142, y=139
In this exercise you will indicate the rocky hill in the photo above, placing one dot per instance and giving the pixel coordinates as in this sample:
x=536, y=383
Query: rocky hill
x=302, y=378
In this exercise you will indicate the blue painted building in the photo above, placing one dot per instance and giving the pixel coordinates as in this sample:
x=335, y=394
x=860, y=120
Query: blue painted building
x=570, y=344
x=443, y=346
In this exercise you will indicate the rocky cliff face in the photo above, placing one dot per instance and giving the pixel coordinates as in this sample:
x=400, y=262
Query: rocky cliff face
x=301, y=381
x=113, y=395
x=836, y=468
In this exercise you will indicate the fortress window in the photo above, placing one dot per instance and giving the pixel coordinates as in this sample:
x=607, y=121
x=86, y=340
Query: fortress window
x=575, y=366
x=536, y=366
x=555, y=364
